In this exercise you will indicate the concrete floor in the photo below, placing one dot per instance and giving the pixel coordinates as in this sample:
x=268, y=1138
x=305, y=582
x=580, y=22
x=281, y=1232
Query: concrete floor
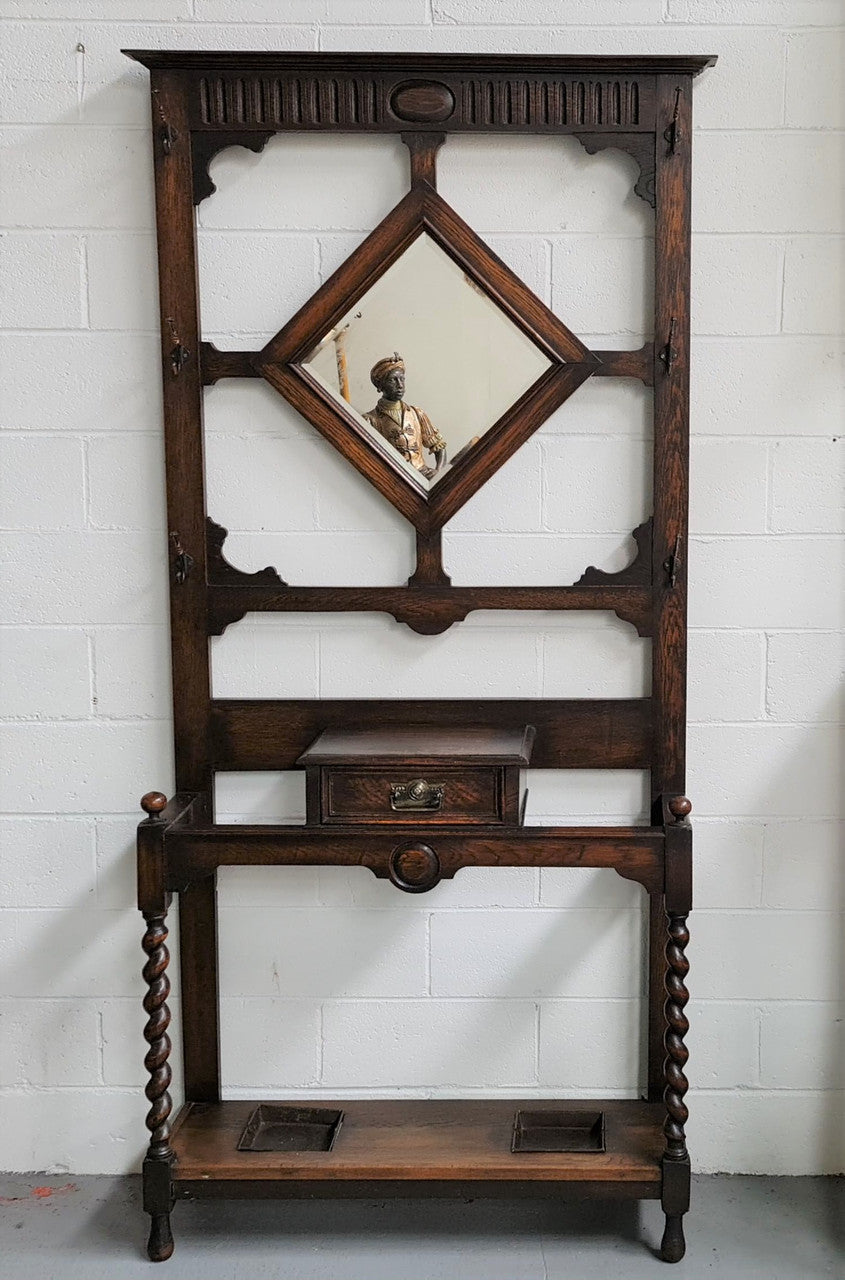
x=93, y=1229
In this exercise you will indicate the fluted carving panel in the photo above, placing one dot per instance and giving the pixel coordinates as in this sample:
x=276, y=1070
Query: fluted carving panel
x=288, y=101
x=334, y=100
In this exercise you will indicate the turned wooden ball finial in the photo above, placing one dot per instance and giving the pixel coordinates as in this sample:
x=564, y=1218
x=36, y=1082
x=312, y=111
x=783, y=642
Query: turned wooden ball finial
x=153, y=803
x=680, y=807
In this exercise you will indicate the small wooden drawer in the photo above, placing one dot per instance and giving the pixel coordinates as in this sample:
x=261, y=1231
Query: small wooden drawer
x=429, y=776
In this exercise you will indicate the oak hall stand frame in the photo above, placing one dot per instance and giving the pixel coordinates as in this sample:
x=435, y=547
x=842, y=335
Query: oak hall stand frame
x=201, y=103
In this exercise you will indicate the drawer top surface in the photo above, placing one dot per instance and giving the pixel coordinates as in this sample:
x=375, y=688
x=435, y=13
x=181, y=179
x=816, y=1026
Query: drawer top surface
x=421, y=745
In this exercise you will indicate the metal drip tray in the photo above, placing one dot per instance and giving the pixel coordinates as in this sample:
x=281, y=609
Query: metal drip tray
x=558, y=1131
x=276, y=1128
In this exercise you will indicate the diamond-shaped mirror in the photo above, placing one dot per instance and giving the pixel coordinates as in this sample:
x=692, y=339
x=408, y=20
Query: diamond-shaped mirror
x=425, y=360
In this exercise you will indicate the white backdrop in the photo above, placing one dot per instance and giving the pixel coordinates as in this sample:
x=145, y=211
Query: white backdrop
x=509, y=981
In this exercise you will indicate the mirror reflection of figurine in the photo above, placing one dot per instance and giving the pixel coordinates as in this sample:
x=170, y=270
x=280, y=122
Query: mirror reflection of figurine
x=406, y=427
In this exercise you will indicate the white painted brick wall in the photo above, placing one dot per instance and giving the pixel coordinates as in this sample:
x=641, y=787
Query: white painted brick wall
x=507, y=980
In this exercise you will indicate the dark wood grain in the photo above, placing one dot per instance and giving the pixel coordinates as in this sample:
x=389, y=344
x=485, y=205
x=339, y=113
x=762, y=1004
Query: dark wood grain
x=656, y=994
x=183, y=429
x=671, y=437
x=422, y=152
x=640, y=146
x=429, y=571
x=570, y=734
x=675, y=1162
x=553, y=94
x=206, y=144
x=222, y=573
x=153, y=898
x=363, y=795
x=200, y=986
x=426, y=64
x=429, y=1140
x=282, y=362
x=430, y=747
x=637, y=364
x=216, y=364
x=638, y=572
x=202, y=102
x=627, y=364
x=158, y=1161
x=430, y=610
x=636, y=853
x=478, y=774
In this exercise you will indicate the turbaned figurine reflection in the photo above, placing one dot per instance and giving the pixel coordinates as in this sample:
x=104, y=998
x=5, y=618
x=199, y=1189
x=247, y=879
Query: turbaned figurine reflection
x=404, y=426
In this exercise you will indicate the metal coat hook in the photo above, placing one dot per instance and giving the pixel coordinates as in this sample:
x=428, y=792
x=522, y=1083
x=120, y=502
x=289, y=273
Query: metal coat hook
x=672, y=134
x=672, y=561
x=179, y=354
x=182, y=562
x=669, y=354
x=167, y=133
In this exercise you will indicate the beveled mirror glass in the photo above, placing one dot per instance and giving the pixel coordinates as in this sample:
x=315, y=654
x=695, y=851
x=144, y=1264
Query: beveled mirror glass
x=426, y=361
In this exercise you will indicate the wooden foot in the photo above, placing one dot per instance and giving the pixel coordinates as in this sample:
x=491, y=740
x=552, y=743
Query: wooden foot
x=673, y=1246
x=160, y=1243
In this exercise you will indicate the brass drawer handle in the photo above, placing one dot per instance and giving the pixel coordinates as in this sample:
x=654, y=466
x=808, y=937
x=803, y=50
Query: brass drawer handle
x=419, y=796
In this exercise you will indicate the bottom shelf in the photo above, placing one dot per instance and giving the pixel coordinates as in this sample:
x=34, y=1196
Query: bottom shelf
x=421, y=1147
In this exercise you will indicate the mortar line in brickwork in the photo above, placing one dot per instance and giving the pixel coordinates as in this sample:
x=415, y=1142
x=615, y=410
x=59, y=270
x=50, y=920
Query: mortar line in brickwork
x=764, y=720
x=93, y=719
x=92, y=678
x=784, y=79
x=467, y=910
x=427, y=1000
x=770, y=487
x=35, y=1089
x=766, y=536
x=758, y=1027
x=86, y=484
x=428, y=954
x=783, y=246
x=98, y=125
x=100, y=1049
x=75, y=626
x=84, y=306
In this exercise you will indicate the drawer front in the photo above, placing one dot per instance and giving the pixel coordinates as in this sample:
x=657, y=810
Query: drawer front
x=389, y=795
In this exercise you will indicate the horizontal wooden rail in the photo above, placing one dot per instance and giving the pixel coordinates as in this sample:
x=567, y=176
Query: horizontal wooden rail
x=634, y=852
x=218, y=364
x=427, y=610
x=598, y=733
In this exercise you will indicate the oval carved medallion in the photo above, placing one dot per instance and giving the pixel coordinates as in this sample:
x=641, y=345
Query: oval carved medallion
x=423, y=101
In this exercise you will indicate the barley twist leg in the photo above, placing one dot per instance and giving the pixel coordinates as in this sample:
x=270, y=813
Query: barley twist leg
x=675, y=1156
x=159, y=1158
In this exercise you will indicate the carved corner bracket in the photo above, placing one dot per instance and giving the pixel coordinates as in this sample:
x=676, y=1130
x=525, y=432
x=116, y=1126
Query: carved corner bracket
x=635, y=574
x=639, y=146
x=205, y=145
x=223, y=574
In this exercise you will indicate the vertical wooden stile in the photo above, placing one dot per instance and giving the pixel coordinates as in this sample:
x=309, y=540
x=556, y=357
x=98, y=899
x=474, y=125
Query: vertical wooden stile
x=186, y=517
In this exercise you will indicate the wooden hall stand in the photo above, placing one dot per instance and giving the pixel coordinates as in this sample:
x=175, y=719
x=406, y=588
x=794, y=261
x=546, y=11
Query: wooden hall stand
x=201, y=103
